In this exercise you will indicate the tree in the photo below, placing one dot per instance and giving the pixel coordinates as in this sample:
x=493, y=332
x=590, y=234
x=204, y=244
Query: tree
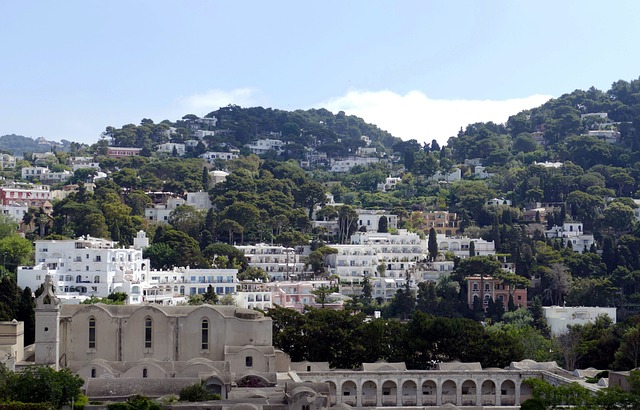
x=55, y=387
x=197, y=392
x=347, y=223
x=383, y=224
x=367, y=291
x=231, y=227
x=432, y=244
x=322, y=294
x=210, y=297
x=628, y=355
x=187, y=219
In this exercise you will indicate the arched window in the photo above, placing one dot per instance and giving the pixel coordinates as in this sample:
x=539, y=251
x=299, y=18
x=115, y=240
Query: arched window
x=96, y=279
x=205, y=335
x=93, y=373
x=148, y=332
x=92, y=333
x=475, y=287
x=145, y=373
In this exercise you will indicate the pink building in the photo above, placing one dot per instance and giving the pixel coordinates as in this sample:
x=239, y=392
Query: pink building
x=492, y=288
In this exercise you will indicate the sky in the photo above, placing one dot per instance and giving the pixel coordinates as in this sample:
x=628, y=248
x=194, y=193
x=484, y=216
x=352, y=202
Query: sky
x=419, y=69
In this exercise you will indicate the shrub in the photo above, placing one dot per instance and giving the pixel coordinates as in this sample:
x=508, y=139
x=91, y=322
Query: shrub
x=197, y=392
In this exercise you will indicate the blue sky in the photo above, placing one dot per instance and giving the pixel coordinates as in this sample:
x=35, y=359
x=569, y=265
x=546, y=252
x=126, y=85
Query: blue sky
x=418, y=69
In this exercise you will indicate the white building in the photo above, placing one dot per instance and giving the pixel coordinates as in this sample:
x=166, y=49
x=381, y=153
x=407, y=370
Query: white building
x=254, y=295
x=86, y=266
x=572, y=233
x=7, y=161
x=370, y=219
x=345, y=165
x=84, y=162
x=199, y=200
x=499, y=201
x=217, y=177
x=160, y=212
x=15, y=210
x=459, y=245
x=169, y=147
x=481, y=172
x=211, y=156
x=89, y=266
x=201, y=134
x=453, y=176
x=279, y=262
x=389, y=183
x=33, y=172
x=263, y=146
x=559, y=317
x=398, y=253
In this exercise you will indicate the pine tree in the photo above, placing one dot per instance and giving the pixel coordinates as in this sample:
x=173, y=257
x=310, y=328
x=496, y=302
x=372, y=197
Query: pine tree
x=432, y=244
x=27, y=314
x=383, y=224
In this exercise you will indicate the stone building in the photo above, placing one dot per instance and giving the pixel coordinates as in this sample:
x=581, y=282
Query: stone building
x=154, y=350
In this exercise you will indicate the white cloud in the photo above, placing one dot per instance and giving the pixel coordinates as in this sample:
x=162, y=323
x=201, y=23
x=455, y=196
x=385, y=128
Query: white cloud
x=204, y=103
x=416, y=116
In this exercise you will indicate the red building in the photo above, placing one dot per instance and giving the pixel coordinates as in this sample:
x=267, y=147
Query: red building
x=121, y=152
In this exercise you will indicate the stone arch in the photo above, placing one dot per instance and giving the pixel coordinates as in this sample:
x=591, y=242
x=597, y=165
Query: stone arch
x=333, y=398
x=252, y=380
x=409, y=393
x=469, y=393
x=429, y=393
x=454, y=246
x=488, y=393
x=389, y=393
x=349, y=393
x=449, y=392
x=508, y=393
x=526, y=392
x=214, y=385
x=153, y=370
x=369, y=393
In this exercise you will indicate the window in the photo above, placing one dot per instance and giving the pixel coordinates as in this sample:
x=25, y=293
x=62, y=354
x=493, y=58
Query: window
x=93, y=373
x=92, y=333
x=145, y=373
x=148, y=331
x=205, y=335
x=249, y=361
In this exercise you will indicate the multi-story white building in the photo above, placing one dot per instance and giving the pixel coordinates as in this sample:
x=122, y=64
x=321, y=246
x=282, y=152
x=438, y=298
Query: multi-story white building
x=211, y=156
x=15, y=210
x=84, y=162
x=200, y=134
x=199, y=200
x=397, y=253
x=559, y=317
x=89, y=266
x=85, y=267
x=389, y=183
x=254, y=295
x=31, y=194
x=370, y=219
x=169, y=147
x=345, y=165
x=434, y=270
x=573, y=234
x=453, y=176
x=459, y=245
x=279, y=262
x=33, y=172
x=263, y=146
x=217, y=177
x=7, y=161
x=160, y=212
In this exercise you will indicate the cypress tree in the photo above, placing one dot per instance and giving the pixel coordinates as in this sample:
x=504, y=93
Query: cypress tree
x=432, y=244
